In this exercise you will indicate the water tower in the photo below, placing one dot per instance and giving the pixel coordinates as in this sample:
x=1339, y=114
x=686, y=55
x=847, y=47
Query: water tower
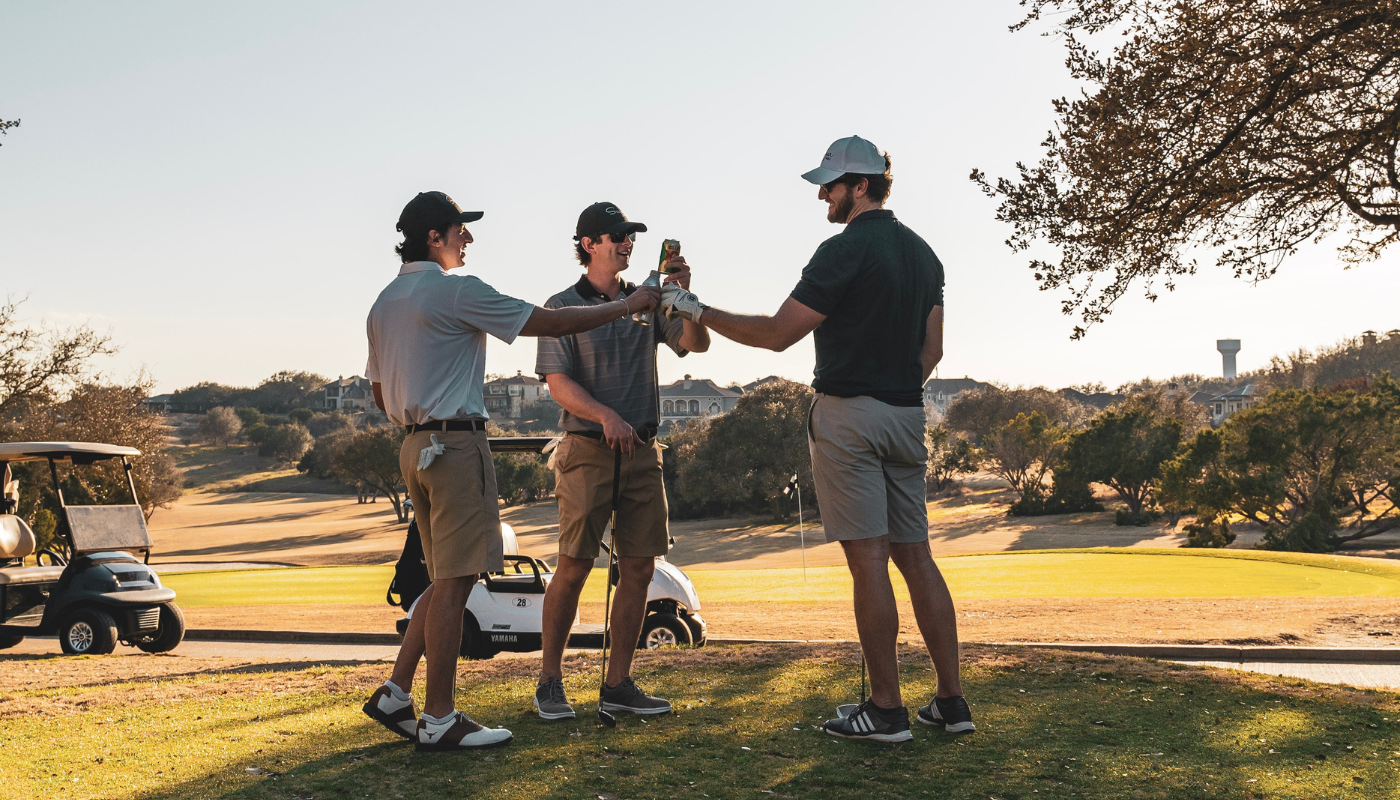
x=1228, y=348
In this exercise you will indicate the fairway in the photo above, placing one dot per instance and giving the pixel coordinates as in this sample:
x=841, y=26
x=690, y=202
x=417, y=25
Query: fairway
x=1004, y=575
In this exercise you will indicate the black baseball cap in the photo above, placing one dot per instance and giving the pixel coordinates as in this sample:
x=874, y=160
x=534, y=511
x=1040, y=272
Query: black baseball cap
x=433, y=211
x=601, y=218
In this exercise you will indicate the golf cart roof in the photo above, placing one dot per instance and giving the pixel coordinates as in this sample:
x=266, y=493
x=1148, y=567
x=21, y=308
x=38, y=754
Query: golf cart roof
x=79, y=452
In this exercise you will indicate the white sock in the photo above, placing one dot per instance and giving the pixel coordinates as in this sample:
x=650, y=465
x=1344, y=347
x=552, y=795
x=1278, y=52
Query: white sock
x=439, y=721
x=399, y=694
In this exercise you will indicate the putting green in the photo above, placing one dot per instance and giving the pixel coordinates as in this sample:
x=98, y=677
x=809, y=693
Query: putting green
x=1026, y=575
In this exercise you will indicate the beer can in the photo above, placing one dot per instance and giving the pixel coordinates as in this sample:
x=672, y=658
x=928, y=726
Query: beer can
x=670, y=248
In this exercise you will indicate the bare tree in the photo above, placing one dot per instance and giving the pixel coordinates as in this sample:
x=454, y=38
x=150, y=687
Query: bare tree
x=1246, y=128
x=6, y=124
x=39, y=362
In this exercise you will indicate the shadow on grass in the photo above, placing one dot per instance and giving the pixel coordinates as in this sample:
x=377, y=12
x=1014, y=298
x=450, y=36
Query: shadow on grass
x=1049, y=725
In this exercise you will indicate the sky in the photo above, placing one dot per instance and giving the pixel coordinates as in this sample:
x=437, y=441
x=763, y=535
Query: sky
x=217, y=184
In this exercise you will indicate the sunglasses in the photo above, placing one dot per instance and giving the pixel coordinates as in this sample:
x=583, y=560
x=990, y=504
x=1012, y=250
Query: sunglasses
x=618, y=237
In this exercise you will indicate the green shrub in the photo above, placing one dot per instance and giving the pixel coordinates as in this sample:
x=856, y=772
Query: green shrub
x=1136, y=518
x=285, y=442
x=301, y=416
x=250, y=416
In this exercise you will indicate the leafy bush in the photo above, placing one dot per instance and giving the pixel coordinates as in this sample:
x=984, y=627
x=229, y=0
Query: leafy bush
x=522, y=478
x=1314, y=468
x=219, y=426
x=372, y=455
x=1136, y=518
x=285, y=442
x=1124, y=448
x=249, y=416
x=301, y=416
x=329, y=423
x=741, y=461
x=948, y=457
x=1024, y=451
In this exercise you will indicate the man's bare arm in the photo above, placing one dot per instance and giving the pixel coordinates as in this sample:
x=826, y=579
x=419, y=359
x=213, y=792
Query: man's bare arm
x=695, y=339
x=378, y=396
x=577, y=319
x=576, y=400
x=933, y=341
x=777, y=333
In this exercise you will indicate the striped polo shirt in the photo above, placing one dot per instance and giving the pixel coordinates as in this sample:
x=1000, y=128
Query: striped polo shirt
x=615, y=363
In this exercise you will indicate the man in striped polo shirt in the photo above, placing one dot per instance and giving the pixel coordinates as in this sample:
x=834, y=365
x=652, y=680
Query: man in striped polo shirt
x=605, y=380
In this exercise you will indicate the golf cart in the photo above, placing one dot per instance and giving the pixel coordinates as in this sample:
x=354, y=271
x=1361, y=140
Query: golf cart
x=504, y=608
x=91, y=592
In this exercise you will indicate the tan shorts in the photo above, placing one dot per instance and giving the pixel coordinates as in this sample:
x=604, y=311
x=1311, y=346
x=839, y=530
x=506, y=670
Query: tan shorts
x=583, y=470
x=868, y=462
x=454, y=501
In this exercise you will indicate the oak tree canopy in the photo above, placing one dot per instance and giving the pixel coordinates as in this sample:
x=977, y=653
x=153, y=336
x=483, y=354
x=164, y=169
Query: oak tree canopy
x=1237, y=130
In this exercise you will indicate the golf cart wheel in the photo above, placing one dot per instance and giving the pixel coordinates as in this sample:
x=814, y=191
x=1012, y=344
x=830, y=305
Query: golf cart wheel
x=170, y=633
x=6, y=642
x=474, y=643
x=663, y=630
x=88, y=632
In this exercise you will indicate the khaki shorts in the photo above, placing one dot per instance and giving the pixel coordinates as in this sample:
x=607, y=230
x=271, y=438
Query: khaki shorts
x=583, y=470
x=868, y=461
x=454, y=501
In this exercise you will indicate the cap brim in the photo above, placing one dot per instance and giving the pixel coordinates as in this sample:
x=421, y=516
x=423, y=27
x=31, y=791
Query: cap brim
x=627, y=227
x=821, y=175
x=469, y=216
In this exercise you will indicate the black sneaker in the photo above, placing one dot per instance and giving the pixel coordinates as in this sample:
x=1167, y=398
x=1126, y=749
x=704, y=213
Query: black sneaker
x=550, y=701
x=627, y=696
x=950, y=712
x=869, y=721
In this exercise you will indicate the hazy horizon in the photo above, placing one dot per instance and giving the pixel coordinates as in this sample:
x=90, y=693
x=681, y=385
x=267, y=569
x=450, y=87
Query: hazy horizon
x=218, y=185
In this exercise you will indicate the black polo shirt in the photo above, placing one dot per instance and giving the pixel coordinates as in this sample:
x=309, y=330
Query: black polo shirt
x=876, y=282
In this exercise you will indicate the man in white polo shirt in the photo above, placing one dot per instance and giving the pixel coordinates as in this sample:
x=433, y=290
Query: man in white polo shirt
x=427, y=362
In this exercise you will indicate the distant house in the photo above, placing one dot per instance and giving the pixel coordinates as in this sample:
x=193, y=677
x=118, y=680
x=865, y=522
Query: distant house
x=749, y=387
x=159, y=404
x=1223, y=405
x=507, y=397
x=941, y=392
x=691, y=397
x=1099, y=400
x=347, y=394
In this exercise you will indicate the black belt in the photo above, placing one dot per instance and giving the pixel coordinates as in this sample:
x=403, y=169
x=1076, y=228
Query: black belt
x=645, y=434
x=446, y=425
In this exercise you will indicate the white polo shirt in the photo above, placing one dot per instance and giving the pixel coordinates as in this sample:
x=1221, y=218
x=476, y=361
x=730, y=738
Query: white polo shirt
x=427, y=342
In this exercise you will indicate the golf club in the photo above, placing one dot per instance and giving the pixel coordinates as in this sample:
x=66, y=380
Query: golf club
x=603, y=716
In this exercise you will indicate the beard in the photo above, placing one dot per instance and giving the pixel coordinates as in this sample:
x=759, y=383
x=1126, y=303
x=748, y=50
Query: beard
x=841, y=212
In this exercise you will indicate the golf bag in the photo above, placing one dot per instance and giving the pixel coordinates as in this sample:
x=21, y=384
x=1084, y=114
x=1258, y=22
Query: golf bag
x=410, y=573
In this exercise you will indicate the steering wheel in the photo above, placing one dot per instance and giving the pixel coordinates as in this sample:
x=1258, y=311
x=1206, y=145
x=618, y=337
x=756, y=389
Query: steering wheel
x=55, y=560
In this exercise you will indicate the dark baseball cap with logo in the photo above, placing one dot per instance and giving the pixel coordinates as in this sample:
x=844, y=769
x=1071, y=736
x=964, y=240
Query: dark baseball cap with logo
x=433, y=211
x=601, y=218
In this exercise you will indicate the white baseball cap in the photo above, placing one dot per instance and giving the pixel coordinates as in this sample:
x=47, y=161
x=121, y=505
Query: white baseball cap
x=852, y=154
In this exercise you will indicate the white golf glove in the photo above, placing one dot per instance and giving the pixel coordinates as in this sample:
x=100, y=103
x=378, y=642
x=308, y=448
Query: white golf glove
x=677, y=302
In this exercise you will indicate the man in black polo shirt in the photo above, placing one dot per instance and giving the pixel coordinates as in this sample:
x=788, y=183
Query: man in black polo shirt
x=873, y=294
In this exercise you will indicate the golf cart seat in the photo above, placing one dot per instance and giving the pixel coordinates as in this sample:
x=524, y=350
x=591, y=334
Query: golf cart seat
x=16, y=538
x=18, y=541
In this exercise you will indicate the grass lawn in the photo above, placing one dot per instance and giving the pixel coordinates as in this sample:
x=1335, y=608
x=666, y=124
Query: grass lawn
x=1059, y=573
x=1049, y=726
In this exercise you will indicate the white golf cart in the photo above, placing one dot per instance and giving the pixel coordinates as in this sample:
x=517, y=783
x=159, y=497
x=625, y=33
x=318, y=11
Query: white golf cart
x=92, y=592
x=504, y=609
